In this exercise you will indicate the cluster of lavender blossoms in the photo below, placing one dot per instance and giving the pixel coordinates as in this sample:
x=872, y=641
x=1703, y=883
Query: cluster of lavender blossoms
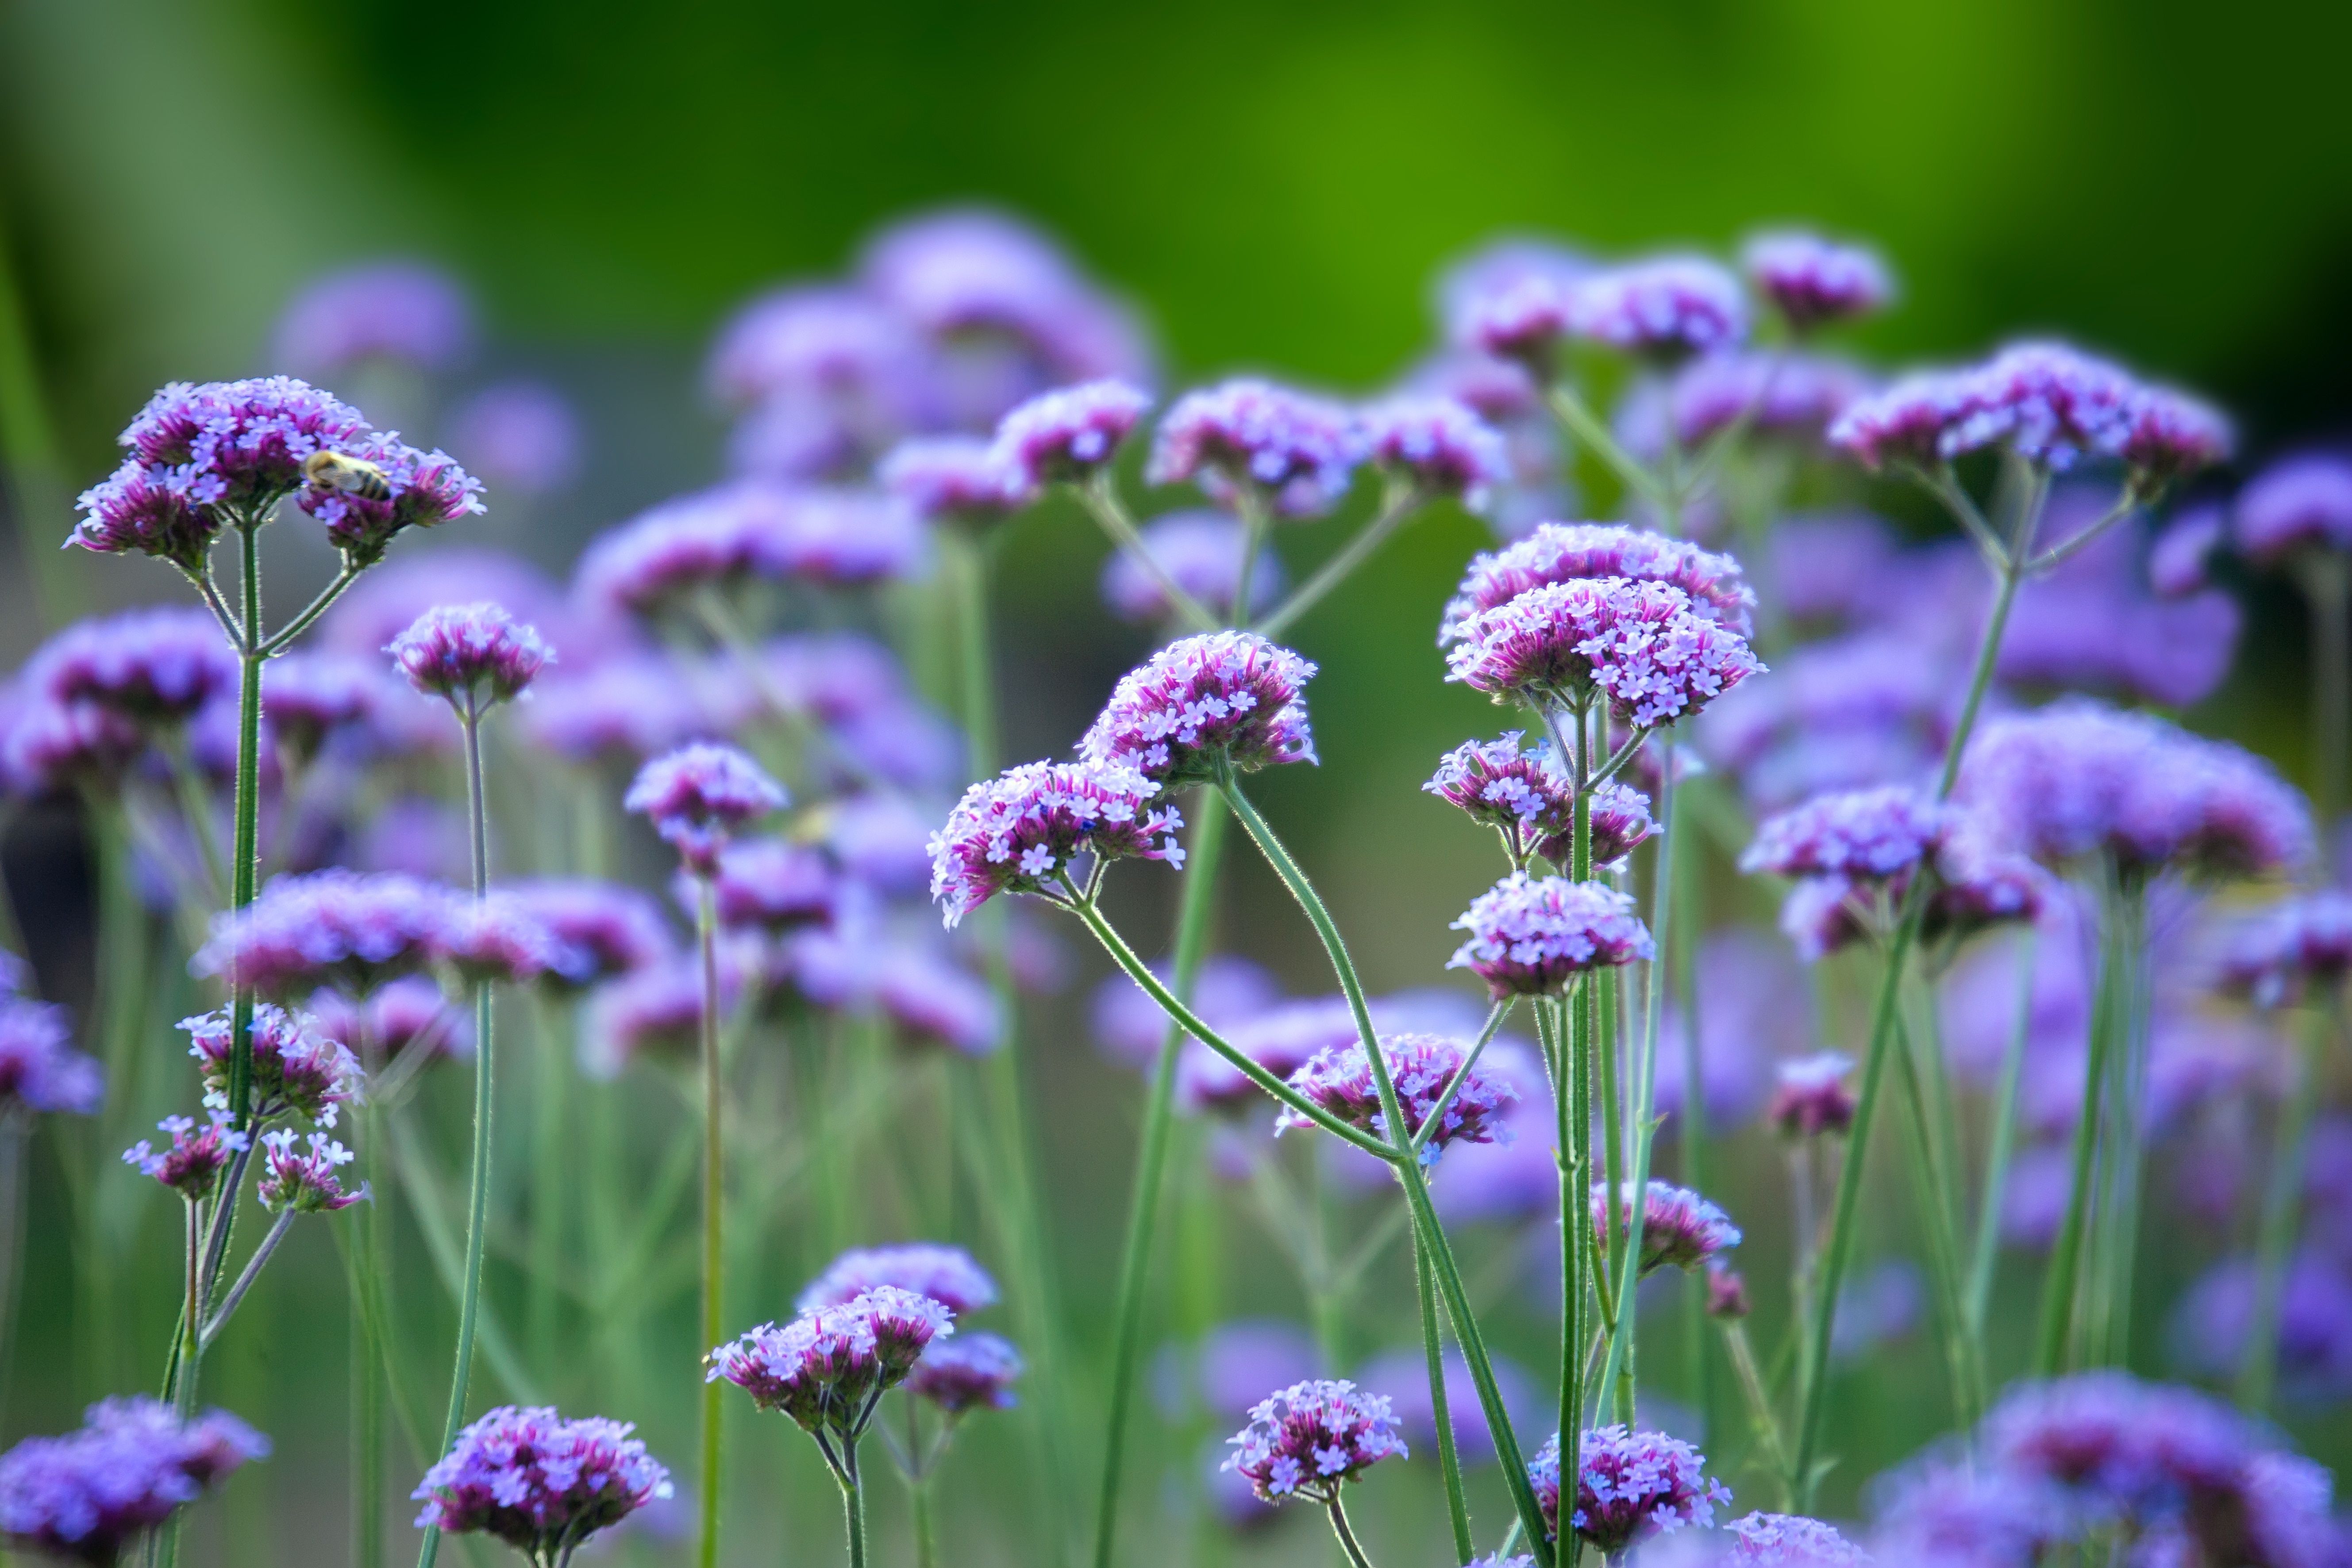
x=88, y=1496
x=543, y=1485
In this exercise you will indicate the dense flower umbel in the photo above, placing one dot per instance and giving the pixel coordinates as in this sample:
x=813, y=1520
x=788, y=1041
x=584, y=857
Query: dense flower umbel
x=1310, y=1439
x=1811, y=280
x=599, y=929
x=538, y=1482
x=1340, y=1081
x=1786, y=394
x=1063, y=437
x=84, y=1497
x=698, y=796
x=1680, y=1229
x=1438, y=445
x=1666, y=307
x=1529, y=936
x=1202, y=551
x=1294, y=451
x=1869, y=833
x=825, y=1368
x=495, y=940
x=1519, y=794
x=1636, y=643
x=294, y=1067
x=404, y=311
x=967, y=1373
x=773, y=884
x=2078, y=778
x=304, y=1180
x=953, y=478
x=198, y=452
x=424, y=490
x=1810, y=1096
x=2301, y=502
x=2287, y=952
x=1021, y=831
x=337, y=928
x=473, y=655
x=1790, y=1541
x=1566, y=552
x=1634, y=1485
x=750, y=529
x=311, y=699
x=947, y=1275
x=39, y=1069
x=1229, y=697
x=149, y=666
x=192, y=1165
x=1620, y=820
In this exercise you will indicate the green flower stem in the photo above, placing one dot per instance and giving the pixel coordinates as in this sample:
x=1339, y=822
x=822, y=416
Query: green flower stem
x=2000, y=1148
x=550, y=1179
x=853, y=1500
x=1449, y=1462
x=2129, y=1068
x=1431, y=1235
x=1690, y=1132
x=2282, y=1209
x=1760, y=1413
x=245, y=857
x=283, y=638
x=1399, y=501
x=1929, y=1182
x=246, y=1277
x=714, y=1203
x=1570, y=410
x=1572, y=1117
x=926, y=1546
x=2327, y=585
x=1347, y=1542
x=477, y=1203
x=1100, y=496
x=1444, y=1101
x=2060, y=1286
x=1192, y=921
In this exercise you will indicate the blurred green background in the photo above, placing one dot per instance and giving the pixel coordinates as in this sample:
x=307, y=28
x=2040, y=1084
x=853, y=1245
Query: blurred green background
x=1273, y=185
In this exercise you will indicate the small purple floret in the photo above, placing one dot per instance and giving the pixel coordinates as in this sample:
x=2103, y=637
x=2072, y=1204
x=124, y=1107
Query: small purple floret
x=1066, y=435
x=39, y=1069
x=1567, y=551
x=304, y=1180
x=825, y=1368
x=1810, y=1096
x=1437, y=445
x=1636, y=643
x=1680, y=1229
x=1668, y=307
x=87, y=1495
x=1865, y=834
x=295, y=1067
x=974, y=1370
x=1813, y=281
x=1420, y=1066
x=955, y=479
x=338, y=928
x=1790, y=1541
x=2300, y=502
x=192, y=1164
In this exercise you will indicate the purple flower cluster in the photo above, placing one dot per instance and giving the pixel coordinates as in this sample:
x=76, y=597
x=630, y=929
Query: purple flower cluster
x=1680, y=1229
x=1790, y=1541
x=421, y=489
x=335, y=928
x=750, y=529
x=304, y=1180
x=698, y=796
x=1202, y=551
x=1520, y=794
x=1666, y=307
x=1295, y=452
x=158, y=666
x=406, y=313
x=472, y=654
x=542, y=1484
x=39, y=1069
x=1633, y=1484
x=1438, y=445
x=2048, y=403
x=1810, y=1096
x=1570, y=551
x=1310, y=1439
x=598, y=929
x=1868, y=834
x=2302, y=502
x=1420, y=1066
x=2078, y=778
x=1529, y=936
x=1638, y=644
x=2292, y=949
x=294, y=1067
x=1813, y=281
x=974, y=1370
x=773, y=885
x=947, y=1275
x=495, y=940
x=1793, y=395
x=827, y=1367
x=192, y=1165
x=1220, y=700
x=88, y=1495
x=1064, y=436
x=1021, y=831
x=954, y=480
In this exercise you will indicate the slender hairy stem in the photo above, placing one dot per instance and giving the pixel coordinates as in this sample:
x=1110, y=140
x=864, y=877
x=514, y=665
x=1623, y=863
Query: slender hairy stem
x=1760, y=1413
x=367, y=1399
x=1101, y=495
x=1399, y=502
x=550, y=1177
x=283, y=638
x=1347, y=1542
x=852, y=1501
x=1444, y=1101
x=191, y=1310
x=1150, y=1164
x=2061, y=1284
x=252, y=1271
x=2282, y=1209
x=1572, y=1031
x=2000, y=1149
x=714, y=1255
x=1571, y=411
x=1929, y=1182
x=1449, y=1462
x=244, y=865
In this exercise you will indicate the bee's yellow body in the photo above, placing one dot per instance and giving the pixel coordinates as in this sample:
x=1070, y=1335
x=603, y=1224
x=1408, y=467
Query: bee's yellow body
x=353, y=476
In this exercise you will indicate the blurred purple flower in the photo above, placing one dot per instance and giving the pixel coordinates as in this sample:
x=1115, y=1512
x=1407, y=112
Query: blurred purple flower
x=1813, y=281
x=2297, y=503
x=1201, y=550
x=947, y=1275
x=407, y=312
x=88, y=1495
x=1295, y=452
x=520, y=435
x=1439, y=445
x=697, y=797
x=539, y=1482
x=2211, y=1324
x=39, y=1069
x=1066, y=435
x=1663, y=307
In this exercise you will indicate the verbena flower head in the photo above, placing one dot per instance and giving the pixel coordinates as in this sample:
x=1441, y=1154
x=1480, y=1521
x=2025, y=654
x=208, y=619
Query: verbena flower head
x=2291, y=950
x=1620, y=820
x=827, y=1367
x=1945, y=1513
x=311, y=700
x=1310, y=1439
x=149, y=666
x=1229, y=698
x=50, y=746
x=599, y=929
x=1568, y=552
x=1796, y=396
x=1202, y=551
x=1437, y=445
x=2297, y=503
x=972, y=1371
x=1813, y=281
x=87, y=1495
x=1680, y=1229
x=406, y=1014
x=1065, y=435
x=542, y=1484
x=1529, y=936
x=1420, y=1066
x=294, y=1067
x=495, y=940
x=1790, y=1541
x=1664, y=307
x=520, y=435
x=750, y=529
x=344, y=928
x=1727, y=1292
x=200, y=451
x=423, y=489
x=472, y=654
x=947, y=1275
x=1810, y=1096
x=935, y=1001
x=2172, y=436
x=192, y=1165
x=699, y=794
x=1861, y=834
x=2179, y=562
x=407, y=312
x=2079, y=778
x=1519, y=792
x=1021, y=831
x=1634, y=1485
x=1296, y=452
x=957, y=479
x=824, y=346
x=304, y=1180
x=39, y=1069
x=773, y=885
x=1636, y=643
